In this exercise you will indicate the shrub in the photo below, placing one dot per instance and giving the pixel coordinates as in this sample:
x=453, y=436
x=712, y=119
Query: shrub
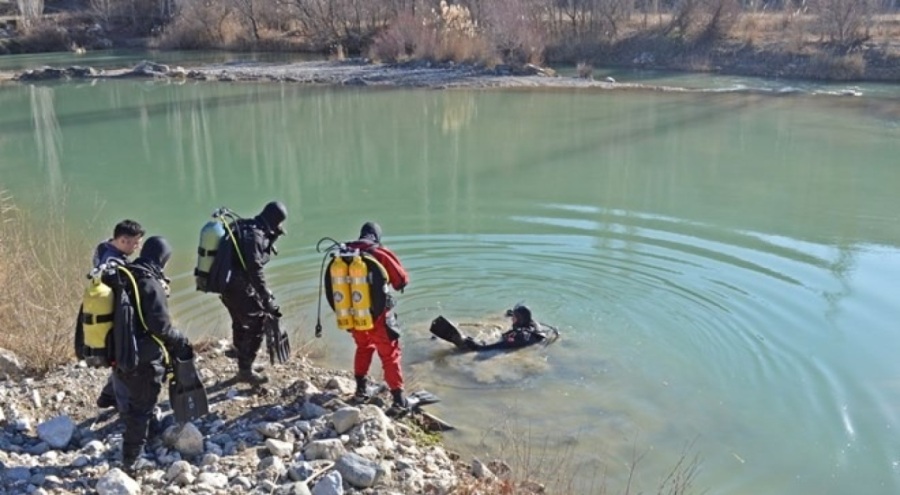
x=42, y=268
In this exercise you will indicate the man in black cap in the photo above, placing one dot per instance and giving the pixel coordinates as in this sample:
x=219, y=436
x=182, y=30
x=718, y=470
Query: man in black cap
x=246, y=296
x=155, y=339
x=384, y=336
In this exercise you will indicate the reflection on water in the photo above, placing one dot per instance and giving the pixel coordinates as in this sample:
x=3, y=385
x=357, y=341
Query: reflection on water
x=720, y=265
x=47, y=136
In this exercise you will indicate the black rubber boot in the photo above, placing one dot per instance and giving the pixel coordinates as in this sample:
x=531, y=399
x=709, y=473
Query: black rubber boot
x=362, y=388
x=251, y=377
x=399, y=406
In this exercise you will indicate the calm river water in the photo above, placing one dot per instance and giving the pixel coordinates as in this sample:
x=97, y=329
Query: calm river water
x=722, y=265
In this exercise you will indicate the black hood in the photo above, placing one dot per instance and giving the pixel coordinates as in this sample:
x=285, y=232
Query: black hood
x=272, y=216
x=522, y=315
x=156, y=252
x=371, y=231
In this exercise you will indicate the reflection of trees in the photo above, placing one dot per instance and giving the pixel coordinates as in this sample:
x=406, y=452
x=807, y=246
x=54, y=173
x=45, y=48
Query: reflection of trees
x=47, y=135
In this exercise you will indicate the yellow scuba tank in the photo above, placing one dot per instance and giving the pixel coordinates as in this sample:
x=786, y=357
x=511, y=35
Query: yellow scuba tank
x=98, y=305
x=362, y=300
x=340, y=285
x=210, y=235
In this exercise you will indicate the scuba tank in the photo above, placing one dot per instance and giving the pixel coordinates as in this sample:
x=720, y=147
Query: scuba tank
x=362, y=299
x=340, y=283
x=210, y=236
x=98, y=305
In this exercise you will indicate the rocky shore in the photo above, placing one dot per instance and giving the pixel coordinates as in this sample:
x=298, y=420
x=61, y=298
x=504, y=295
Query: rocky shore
x=297, y=434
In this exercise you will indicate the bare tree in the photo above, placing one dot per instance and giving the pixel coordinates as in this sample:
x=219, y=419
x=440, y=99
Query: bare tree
x=31, y=11
x=844, y=21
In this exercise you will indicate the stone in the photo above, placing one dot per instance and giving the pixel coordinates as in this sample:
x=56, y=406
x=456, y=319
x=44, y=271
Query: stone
x=293, y=489
x=186, y=439
x=480, y=470
x=330, y=449
x=279, y=448
x=57, y=432
x=10, y=364
x=330, y=484
x=357, y=470
x=180, y=473
x=345, y=418
x=115, y=482
x=215, y=480
x=270, y=430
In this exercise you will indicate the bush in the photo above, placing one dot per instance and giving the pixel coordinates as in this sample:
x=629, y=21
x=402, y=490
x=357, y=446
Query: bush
x=42, y=274
x=44, y=37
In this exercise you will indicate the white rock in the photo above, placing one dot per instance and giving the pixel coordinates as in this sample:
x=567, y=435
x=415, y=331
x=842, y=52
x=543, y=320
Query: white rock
x=344, y=419
x=270, y=430
x=180, y=473
x=57, y=432
x=209, y=460
x=115, y=482
x=330, y=449
x=36, y=399
x=279, y=448
x=341, y=384
x=94, y=447
x=186, y=439
x=215, y=480
x=357, y=470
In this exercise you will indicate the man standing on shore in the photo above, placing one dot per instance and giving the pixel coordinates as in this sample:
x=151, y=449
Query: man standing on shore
x=126, y=239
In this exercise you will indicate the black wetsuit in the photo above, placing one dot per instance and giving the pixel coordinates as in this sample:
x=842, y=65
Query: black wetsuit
x=513, y=338
x=246, y=296
x=143, y=384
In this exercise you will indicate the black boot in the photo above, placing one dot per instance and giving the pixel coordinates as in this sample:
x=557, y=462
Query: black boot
x=247, y=375
x=362, y=389
x=399, y=405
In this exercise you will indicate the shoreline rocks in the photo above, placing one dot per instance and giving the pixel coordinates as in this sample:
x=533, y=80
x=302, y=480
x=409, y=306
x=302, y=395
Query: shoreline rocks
x=295, y=435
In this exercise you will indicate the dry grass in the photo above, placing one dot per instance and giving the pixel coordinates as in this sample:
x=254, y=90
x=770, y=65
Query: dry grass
x=42, y=274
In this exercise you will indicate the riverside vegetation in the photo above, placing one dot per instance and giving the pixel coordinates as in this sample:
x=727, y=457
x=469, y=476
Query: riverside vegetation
x=819, y=39
x=295, y=435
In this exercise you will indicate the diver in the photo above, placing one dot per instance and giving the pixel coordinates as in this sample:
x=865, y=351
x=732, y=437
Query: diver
x=126, y=239
x=246, y=296
x=524, y=332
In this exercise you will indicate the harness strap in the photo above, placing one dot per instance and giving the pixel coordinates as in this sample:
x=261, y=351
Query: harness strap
x=137, y=299
x=92, y=319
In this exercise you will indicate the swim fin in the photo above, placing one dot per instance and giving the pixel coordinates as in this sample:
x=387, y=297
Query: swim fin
x=443, y=328
x=187, y=395
x=277, y=343
x=421, y=398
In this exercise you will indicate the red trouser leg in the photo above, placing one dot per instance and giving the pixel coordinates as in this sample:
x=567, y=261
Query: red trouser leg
x=369, y=341
x=365, y=348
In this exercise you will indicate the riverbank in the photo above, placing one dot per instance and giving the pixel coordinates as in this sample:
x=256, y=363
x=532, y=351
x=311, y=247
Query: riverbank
x=296, y=434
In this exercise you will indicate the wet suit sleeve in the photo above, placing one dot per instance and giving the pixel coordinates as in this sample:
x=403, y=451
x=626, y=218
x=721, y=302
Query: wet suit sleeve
x=155, y=308
x=399, y=276
x=256, y=255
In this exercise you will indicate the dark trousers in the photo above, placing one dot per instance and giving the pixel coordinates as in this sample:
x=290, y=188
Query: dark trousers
x=142, y=387
x=247, y=331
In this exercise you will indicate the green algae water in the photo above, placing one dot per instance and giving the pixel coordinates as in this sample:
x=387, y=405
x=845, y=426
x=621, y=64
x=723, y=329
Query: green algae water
x=723, y=266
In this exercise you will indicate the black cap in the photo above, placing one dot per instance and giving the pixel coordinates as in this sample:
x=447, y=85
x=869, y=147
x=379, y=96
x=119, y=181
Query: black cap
x=371, y=231
x=156, y=251
x=272, y=215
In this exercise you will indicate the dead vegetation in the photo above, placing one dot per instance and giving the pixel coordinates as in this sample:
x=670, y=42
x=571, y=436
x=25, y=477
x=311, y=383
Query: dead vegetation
x=42, y=268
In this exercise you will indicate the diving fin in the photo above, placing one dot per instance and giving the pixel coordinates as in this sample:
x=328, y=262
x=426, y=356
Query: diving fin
x=421, y=398
x=277, y=343
x=187, y=395
x=443, y=328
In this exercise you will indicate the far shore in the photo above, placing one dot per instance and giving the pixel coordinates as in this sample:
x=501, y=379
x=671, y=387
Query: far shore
x=361, y=73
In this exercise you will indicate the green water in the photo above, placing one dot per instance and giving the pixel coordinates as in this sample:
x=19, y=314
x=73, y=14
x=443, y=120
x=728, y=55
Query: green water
x=721, y=266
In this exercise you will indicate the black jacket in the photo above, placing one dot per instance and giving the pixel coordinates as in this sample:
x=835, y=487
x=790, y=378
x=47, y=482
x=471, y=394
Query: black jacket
x=513, y=338
x=154, y=307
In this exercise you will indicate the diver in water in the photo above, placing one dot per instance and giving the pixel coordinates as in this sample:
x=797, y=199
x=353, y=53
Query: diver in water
x=525, y=331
